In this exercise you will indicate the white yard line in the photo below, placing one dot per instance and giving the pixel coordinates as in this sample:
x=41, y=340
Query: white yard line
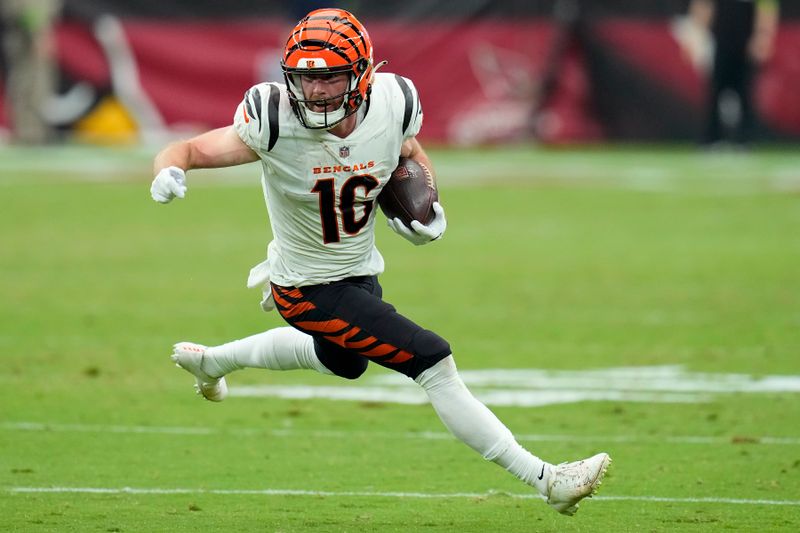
x=536, y=387
x=422, y=435
x=373, y=494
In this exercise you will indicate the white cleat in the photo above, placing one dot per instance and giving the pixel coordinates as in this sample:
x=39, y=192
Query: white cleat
x=189, y=356
x=572, y=482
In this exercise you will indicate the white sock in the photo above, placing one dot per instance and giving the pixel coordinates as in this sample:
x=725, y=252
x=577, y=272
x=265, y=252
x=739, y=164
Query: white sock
x=477, y=427
x=276, y=349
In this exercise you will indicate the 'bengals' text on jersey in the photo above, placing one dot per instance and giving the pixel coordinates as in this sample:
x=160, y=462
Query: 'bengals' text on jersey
x=321, y=189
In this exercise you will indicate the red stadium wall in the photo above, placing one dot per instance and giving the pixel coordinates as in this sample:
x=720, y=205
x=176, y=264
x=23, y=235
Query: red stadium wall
x=486, y=80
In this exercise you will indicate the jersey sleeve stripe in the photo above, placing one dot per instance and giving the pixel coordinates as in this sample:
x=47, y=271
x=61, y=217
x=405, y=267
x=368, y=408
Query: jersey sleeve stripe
x=257, y=101
x=250, y=107
x=409, y=101
x=272, y=114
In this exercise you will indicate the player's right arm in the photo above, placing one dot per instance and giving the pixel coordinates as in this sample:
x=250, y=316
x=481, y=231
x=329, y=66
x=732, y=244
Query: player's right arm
x=217, y=148
x=221, y=147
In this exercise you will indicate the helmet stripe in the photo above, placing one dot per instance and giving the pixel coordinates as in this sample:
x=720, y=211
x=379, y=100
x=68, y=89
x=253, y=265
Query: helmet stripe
x=358, y=31
x=350, y=39
x=329, y=30
x=321, y=44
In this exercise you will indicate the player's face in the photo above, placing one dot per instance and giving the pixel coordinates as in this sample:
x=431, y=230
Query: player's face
x=320, y=87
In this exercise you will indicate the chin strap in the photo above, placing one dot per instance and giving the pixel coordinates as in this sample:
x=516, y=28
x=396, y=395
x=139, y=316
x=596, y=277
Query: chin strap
x=379, y=65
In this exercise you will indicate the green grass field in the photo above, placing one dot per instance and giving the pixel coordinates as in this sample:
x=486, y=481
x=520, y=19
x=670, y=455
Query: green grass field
x=681, y=267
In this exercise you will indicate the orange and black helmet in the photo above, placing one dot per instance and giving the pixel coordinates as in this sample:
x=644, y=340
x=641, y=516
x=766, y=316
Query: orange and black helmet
x=328, y=41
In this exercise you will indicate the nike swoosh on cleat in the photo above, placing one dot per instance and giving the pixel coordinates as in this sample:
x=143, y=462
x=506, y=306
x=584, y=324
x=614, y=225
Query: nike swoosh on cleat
x=542, y=474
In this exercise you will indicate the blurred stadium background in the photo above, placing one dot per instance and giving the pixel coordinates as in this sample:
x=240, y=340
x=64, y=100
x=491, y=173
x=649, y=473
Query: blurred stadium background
x=553, y=71
x=588, y=234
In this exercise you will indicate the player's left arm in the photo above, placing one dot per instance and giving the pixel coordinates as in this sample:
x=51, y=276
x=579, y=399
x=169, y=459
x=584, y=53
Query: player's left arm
x=412, y=149
x=420, y=233
x=410, y=109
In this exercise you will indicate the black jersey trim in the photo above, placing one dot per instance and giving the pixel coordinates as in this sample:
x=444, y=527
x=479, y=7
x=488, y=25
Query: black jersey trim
x=250, y=107
x=257, y=102
x=272, y=114
x=409, y=101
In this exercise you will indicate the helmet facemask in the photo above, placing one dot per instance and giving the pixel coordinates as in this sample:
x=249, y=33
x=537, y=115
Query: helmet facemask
x=306, y=107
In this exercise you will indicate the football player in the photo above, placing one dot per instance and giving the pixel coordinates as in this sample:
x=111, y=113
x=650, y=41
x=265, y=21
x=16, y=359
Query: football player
x=328, y=139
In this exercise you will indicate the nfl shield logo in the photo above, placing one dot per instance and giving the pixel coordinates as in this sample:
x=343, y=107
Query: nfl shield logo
x=344, y=151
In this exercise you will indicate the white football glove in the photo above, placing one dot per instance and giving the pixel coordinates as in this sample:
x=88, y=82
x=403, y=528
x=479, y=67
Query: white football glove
x=169, y=183
x=419, y=233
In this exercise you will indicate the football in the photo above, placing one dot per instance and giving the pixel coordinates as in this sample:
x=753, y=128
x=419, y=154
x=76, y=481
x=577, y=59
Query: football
x=410, y=193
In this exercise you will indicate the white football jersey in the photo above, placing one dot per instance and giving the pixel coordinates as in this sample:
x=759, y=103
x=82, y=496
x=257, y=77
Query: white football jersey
x=321, y=189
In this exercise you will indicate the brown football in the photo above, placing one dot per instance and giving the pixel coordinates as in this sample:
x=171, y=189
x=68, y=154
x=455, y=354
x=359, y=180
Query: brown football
x=410, y=193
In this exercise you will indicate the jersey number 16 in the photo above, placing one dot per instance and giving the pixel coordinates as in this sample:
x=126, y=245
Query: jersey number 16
x=326, y=189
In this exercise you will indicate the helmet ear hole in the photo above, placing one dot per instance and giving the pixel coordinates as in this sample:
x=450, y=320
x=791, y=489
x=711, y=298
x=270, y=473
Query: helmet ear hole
x=362, y=65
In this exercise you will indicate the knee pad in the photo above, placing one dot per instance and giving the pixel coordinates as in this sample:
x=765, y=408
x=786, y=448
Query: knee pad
x=428, y=349
x=341, y=362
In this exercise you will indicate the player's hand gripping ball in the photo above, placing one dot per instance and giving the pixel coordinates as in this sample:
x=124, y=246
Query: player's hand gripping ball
x=409, y=194
x=410, y=202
